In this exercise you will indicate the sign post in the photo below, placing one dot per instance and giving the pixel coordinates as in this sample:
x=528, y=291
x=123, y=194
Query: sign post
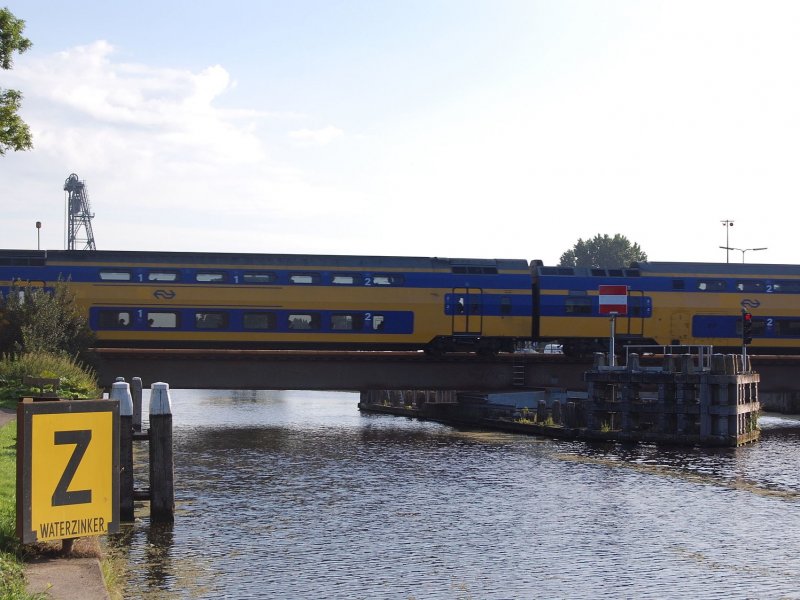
x=67, y=469
x=613, y=301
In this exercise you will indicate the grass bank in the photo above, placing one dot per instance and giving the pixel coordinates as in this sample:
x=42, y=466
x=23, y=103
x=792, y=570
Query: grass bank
x=12, y=582
x=76, y=380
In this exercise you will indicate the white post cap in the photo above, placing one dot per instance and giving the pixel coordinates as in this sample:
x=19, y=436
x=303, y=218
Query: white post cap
x=159, y=399
x=122, y=391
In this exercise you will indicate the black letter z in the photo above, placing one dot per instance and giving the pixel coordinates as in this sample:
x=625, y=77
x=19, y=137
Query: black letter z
x=81, y=439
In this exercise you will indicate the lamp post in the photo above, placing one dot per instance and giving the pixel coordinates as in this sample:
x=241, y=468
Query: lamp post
x=38, y=235
x=727, y=223
x=742, y=250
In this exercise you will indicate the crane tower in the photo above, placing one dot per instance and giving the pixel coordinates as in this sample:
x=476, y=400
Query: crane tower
x=79, y=215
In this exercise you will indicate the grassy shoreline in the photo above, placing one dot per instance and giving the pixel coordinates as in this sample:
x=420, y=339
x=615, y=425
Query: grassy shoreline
x=76, y=383
x=12, y=580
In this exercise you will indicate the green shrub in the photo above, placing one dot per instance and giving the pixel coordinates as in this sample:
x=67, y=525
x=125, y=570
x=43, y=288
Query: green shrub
x=76, y=381
x=33, y=319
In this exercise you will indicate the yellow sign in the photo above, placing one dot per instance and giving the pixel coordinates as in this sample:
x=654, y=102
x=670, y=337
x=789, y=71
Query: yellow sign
x=68, y=452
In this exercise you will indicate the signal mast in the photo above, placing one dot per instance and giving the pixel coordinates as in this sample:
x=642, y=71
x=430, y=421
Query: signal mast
x=79, y=215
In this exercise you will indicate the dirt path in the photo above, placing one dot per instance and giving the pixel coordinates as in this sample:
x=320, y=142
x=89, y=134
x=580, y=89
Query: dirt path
x=6, y=415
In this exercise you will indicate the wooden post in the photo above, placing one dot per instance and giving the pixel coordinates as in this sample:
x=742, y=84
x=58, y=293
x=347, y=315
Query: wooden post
x=136, y=395
x=162, y=485
x=121, y=392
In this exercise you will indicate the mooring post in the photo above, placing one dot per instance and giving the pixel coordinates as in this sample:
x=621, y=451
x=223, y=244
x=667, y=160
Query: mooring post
x=136, y=395
x=121, y=392
x=162, y=485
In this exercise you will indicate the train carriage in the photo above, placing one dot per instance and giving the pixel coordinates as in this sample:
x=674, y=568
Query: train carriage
x=177, y=299
x=671, y=304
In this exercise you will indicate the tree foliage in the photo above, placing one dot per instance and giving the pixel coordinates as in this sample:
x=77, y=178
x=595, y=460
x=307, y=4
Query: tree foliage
x=14, y=132
x=603, y=251
x=39, y=320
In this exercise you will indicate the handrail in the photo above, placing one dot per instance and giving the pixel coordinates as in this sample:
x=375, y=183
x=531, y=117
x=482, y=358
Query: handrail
x=702, y=352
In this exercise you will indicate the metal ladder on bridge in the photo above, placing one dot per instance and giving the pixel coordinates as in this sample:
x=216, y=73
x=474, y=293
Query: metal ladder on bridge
x=518, y=373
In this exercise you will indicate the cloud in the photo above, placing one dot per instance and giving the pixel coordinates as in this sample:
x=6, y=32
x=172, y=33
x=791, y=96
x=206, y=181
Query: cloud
x=315, y=137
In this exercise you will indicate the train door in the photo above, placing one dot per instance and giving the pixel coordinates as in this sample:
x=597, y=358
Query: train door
x=467, y=311
x=637, y=309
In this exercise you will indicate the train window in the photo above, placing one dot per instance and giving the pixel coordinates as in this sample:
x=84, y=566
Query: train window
x=615, y=272
x=786, y=287
x=784, y=327
x=260, y=320
x=578, y=306
x=260, y=277
x=750, y=285
x=303, y=321
x=474, y=270
x=211, y=320
x=340, y=279
x=383, y=279
x=711, y=285
x=632, y=273
x=115, y=275
x=378, y=322
x=162, y=276
x=549, y=270
x=304, y=278
x=678, y=284
x=566, y=271
x=162, y=320
x=505, y=306
x=347, y=322
x=114, y=319
x=210, y=277
x=598, y=272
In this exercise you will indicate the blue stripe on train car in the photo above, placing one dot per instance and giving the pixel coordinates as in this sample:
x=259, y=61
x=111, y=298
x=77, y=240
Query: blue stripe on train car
x=234, y=277
x=233, y=320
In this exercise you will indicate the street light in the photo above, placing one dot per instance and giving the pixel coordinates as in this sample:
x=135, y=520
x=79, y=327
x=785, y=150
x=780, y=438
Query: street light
x=727, y=224
x=38, y=234
x=742, y=250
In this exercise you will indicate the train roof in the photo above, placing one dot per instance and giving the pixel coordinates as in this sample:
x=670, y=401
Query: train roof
x=697, y=268
x=119, y=257
x=677, y=269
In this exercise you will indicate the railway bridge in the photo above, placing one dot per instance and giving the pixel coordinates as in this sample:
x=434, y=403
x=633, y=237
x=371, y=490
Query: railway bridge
x=356, y=371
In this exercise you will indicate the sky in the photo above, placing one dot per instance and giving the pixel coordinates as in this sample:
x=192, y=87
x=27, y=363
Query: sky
x=450, y=128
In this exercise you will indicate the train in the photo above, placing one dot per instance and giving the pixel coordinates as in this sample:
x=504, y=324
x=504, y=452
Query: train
x=142, y=299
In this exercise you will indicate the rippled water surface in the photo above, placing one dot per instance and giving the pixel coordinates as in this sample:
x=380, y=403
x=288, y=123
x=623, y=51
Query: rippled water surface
x=298, y=495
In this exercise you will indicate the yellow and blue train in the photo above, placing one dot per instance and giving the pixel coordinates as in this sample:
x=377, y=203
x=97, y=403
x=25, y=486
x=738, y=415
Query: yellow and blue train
x=224, y=300
x=671, y=304
x=177, y=299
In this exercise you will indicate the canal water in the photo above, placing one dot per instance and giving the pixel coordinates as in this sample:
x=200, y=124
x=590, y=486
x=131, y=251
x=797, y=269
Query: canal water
x=298, y=495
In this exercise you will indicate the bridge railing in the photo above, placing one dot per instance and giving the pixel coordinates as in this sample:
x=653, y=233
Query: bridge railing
x=703, y=353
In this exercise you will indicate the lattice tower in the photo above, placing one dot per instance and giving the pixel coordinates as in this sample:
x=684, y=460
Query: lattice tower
x=79, y=215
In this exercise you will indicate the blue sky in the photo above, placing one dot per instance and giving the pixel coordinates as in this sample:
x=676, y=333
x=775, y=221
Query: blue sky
x=436, y=128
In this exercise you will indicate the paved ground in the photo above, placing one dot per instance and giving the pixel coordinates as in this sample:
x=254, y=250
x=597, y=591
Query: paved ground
x=77, y=577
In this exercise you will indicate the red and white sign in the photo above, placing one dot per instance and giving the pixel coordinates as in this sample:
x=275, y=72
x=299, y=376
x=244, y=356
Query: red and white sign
x=613, y=299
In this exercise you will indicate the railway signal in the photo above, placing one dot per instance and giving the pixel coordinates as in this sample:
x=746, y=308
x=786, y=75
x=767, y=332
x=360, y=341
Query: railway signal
x=747, y=328
x=613, y=301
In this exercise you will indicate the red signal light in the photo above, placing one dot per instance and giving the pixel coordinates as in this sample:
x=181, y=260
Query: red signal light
x=747, y=327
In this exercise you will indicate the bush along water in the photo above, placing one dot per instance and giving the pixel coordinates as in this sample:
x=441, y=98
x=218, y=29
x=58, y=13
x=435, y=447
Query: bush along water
x=75, y=380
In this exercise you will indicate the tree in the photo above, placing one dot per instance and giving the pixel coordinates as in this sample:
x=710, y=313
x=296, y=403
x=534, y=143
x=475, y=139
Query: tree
x=34, y=320
x=14, y=132
x=603, y=252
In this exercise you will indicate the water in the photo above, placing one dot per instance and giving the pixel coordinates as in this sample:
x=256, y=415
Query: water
x=297, y=495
